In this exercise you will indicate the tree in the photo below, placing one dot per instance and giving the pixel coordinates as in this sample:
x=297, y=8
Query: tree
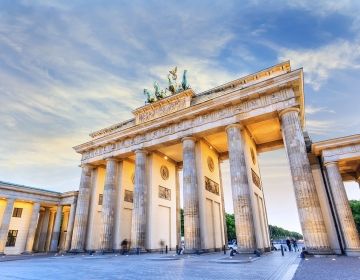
x=230, y=223
x=275, y=232
x=280, y=233
x=355, y=209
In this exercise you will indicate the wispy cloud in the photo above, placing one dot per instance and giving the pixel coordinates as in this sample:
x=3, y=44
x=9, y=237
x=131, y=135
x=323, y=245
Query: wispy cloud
x=319, y=63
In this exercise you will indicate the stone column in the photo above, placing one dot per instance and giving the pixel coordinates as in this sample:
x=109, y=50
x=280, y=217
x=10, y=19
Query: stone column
x=50, y=230
x=343, y=210
x=178, y=209
x=139, y=216
x=70, y=226
x=223, y=205
x=241, y=192
x=4, y=228
x=191, y=197
x=82, y=211
x=108, y=206
x=38, y=231
x=32, y=228
x=43, y=230
x=311, y=218
x=56, y=231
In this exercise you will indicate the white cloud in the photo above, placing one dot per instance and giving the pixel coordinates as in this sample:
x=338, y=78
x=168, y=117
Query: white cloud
x=319, y=63
x=310, y=110
x=319, y=127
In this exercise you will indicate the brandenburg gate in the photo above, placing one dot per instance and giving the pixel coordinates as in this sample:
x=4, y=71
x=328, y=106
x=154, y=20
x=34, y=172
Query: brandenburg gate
x=130, y=185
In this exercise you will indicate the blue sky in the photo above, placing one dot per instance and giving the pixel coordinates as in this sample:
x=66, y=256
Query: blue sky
x=71, y=67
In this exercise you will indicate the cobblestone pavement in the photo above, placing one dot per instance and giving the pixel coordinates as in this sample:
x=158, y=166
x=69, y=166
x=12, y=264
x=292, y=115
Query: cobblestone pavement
x=271, y=266
x=329, y=268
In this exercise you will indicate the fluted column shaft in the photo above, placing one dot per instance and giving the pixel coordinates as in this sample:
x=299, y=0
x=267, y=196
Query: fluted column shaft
x=4, y=228
x=82, y=209
x=311, y=218
x=191, y=197
x=343, y=210
x=70, y=227
x=56, y=231
x=32, y=228
x=50, y=230
x=178, y=209
x=139, y=216
x=38, y=231
x=108, y=207
x=244, y=223
x=223, y=205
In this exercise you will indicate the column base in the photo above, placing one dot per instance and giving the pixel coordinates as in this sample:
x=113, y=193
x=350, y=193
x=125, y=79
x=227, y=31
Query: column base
x=137, y=251
x=106, y=251
x=195, y=251
x=77, y=251
x=2, y=254
x=320, y=251
x=27, y=253
x=352, y=252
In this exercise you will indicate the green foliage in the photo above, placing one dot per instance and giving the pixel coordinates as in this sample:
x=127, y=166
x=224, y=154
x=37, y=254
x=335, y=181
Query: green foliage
x=355, y=208
x=230, y=224
x=275, y=232
x=280, y=233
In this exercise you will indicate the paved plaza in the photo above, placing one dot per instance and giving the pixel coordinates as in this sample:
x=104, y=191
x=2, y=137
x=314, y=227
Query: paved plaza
x=155, y=266
x=148, y=266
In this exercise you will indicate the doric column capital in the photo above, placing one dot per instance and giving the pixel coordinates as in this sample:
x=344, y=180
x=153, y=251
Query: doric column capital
x=113, y=159
x=189, y=138
x=141, y=151
x=10, y=200
x=287, y=110
x=237, y=125
x=86, y=167
x=331, y=163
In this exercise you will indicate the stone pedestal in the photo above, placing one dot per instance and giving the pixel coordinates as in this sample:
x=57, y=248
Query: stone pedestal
x=56, y=231
x=191, y=197
x=311, y=218
x=343, y=210
x=139, y=216
x=5, y=223
x=108, y=207
x=244, y=223
x=32, y=228
x=82, y=211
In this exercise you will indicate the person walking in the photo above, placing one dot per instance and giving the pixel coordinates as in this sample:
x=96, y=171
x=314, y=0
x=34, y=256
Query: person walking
x=288, y=243
x=295, y=245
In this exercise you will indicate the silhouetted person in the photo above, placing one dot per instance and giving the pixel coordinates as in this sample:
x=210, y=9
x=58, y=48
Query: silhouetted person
x=124, y=246
x=294, y=242
x=288, y=243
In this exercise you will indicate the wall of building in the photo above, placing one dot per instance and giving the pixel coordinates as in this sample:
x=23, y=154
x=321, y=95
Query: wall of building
x=22, y=225
x=210, y=205
x=161, y=211
x=124, y=214
x=324, y=204
x=257, y=198
x=94, y=222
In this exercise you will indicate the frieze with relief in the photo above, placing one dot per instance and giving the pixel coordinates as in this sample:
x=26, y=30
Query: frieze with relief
x=280, y=96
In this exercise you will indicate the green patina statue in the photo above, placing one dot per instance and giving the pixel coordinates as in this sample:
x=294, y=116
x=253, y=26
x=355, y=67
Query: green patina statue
x=150, y=98
x=173, y=87
x=184, y=83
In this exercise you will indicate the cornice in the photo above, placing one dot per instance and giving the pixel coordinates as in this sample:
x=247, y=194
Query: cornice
x=318, y=147
x=265, y=87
